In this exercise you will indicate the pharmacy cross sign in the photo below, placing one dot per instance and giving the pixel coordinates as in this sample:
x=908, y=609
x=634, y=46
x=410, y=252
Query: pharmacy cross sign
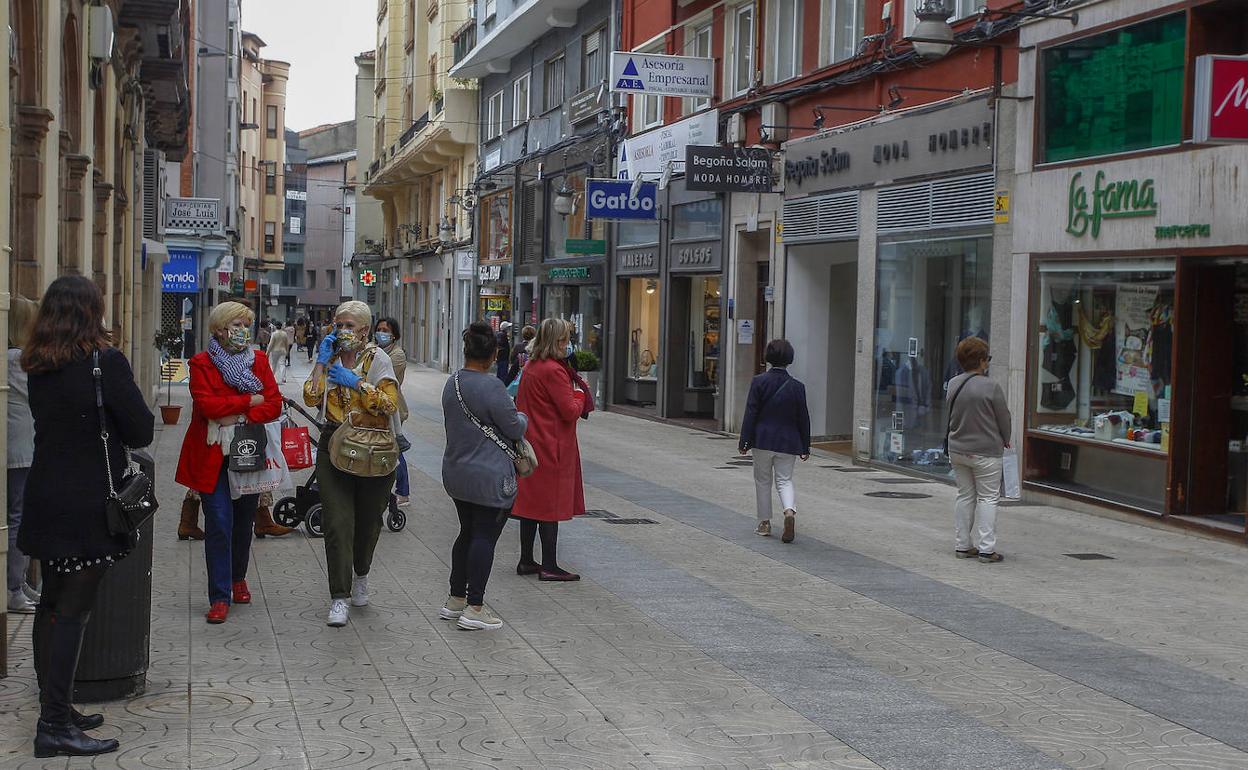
x=368, y=278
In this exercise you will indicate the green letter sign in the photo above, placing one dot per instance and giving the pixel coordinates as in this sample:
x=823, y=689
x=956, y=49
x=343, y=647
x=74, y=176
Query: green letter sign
x=1115, y=200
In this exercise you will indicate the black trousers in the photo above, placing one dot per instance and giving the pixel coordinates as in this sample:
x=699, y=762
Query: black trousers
x=472, y=556
x=60, y=621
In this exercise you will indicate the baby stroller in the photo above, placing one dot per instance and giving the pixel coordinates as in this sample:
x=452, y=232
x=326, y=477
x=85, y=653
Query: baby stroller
x=305, y=507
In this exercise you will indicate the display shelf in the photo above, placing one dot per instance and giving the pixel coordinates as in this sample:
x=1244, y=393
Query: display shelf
x=1134, y=447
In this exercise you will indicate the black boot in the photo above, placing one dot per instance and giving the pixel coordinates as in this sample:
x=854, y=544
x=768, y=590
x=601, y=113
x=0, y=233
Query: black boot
x=57, y=733
x=68, y=740
x=39, y=638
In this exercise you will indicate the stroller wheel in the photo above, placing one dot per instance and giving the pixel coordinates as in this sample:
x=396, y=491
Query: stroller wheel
x=286, y=513
x=313, y=523
x=396, y=521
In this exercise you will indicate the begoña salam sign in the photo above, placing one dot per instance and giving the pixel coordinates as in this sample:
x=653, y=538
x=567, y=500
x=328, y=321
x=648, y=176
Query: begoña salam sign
x=643, y=73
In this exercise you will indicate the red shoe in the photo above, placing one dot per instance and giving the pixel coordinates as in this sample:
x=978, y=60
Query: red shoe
x=241, y=594
x=218, y=612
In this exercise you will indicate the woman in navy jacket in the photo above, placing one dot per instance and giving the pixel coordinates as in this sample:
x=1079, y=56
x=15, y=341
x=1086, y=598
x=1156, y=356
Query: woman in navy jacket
x=777, y=428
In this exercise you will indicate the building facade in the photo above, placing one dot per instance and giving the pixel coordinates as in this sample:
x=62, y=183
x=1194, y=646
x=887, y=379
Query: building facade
x=262, y=166
x=330, y=208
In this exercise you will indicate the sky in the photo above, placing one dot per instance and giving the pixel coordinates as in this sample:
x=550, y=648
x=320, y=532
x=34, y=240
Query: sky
x=320, y=39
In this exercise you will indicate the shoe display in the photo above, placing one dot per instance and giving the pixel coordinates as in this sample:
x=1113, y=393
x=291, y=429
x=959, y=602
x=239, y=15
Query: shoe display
x=338, y=613
x=359, y=591
x=218, y=612
x=790, y=524
x=453, y=608
x=763, y=529
x=482, y=619
x=188, y=525
x=241, y=594
x=20, y=604
x=558, y=574
x=528, y=568
x=68, y=740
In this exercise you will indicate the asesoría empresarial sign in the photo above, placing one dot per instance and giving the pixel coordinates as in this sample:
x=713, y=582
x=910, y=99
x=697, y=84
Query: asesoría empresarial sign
x=1085, y=210
x=655, y=74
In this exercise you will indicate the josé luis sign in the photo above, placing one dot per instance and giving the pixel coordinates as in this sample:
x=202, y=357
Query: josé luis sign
x=1125, y=199
x=612, y=199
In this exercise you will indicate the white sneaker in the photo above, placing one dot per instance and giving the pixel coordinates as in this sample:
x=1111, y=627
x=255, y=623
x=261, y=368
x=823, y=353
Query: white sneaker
x=359, y=591
x=20, y=604
x=454, y=607
x=338, y=613
x=479, y=620
x=31, y=592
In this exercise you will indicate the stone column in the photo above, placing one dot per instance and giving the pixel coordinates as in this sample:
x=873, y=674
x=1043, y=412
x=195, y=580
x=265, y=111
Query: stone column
x=32, y=124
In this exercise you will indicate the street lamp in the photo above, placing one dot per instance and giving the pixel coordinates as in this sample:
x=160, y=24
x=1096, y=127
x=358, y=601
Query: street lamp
x=565, y=199
x=932, y=37
x=446, y=233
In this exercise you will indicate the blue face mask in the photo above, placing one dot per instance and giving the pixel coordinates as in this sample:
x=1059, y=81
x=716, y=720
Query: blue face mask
x=384, y=339
x=568, y=351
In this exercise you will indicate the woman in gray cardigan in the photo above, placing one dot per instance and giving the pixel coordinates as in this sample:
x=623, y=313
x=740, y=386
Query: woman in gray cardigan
x=477, y=473
x=979, y=431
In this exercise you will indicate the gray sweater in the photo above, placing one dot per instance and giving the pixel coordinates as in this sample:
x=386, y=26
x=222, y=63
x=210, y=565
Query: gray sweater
x=474, y=468
x=980, y=423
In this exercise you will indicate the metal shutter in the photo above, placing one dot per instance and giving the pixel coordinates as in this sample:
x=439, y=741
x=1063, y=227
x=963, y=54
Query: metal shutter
x=961, y=202
x=821, y=218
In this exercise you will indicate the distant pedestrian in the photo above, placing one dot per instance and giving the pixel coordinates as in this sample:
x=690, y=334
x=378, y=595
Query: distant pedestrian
x=301, y=333
x=478, y=475
x=63, y=518
x=264, y=333
x=554, y=397
x=519, y=354
x=979, y=432
x=310, y=340
x=776, y=428
x=504, y=351
x=387, y=338
x=290, y=335
x=21, y=452
x=231, y=384
x=278, y=351
x=352, y=376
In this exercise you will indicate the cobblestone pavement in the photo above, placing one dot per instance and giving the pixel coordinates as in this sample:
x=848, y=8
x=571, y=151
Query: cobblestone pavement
x=693, y=643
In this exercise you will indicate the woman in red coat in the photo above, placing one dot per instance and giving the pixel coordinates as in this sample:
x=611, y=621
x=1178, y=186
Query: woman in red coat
x=554, y=397
x=230, y=384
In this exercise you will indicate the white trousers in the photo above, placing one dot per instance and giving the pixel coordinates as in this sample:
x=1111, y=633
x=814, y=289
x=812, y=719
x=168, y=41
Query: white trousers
x=979, y=489
x=768, y=464
x=278, y=364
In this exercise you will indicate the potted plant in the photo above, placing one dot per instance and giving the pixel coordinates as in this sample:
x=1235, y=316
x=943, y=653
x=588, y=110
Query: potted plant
x=169, y=341
x=585, y=362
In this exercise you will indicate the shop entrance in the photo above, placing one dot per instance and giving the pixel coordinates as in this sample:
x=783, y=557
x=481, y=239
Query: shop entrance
x=693, y=346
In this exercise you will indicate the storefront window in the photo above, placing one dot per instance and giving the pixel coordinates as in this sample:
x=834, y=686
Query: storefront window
x=1115, y=92
x=636, y=233
x=700, y=220
x=582, y=305
x=1103, y=334
x=496, y=226
x=573, y=225
x=643, y=325
x=932, y=294
x=704, y=334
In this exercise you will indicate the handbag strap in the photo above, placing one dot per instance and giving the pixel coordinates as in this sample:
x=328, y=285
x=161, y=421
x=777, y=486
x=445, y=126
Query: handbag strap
x=98, y=374
x=767, y=401
x=954, y=400
x=487, y=430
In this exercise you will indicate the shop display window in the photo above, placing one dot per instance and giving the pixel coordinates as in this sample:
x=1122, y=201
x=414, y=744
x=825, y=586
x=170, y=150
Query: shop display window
x=574, y=225
x=700, y=220
x=932, y=294
x=496, y=226
x=1103, y=336
x=704, y=334
x=582, y=305
x=643, y=326
x=636, y=233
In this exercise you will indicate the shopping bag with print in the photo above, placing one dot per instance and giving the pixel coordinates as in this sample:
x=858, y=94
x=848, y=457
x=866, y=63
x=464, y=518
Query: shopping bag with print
x=296, y=447
x=273, y=477
x=1011, y=479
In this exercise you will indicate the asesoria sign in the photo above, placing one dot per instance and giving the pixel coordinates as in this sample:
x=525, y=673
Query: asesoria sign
x=1221, y=109
x=1122, y=199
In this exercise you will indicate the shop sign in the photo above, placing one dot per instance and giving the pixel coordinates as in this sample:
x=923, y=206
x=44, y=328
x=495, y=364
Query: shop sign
x=1123, y=199
x=489, y=273
x=492, y=304
x=568, y=274
x=585, y=105
x=250, y=285
x=1221, y=109
x=237, y=286
x=296, y=195
x=643, y=73
x=493, y=158
x=465, y=261
x=193, y=214
x=728, y=169
x=1001, y=207
x=942, y=140
x=636, y=262
x=181, y=272
x=1182, y=231
x=702, y=257
x=613, y=199
x=651, y=152
x=581, y=246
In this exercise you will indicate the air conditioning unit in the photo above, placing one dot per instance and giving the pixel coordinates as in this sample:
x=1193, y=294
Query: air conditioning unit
x=154, y=181
x=776, y=115
x=734, y=131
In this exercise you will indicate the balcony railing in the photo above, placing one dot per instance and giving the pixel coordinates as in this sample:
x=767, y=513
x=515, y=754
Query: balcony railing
x=413, y=129
x=464, y=40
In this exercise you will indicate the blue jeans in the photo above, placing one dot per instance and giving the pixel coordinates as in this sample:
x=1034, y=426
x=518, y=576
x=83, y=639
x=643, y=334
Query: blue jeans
x=17, y=560
x=402, y=487
x=227, y=536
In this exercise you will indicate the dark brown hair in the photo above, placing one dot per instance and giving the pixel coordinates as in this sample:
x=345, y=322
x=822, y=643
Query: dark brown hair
x=480, y=344
x=971, y=353
x=69, y=325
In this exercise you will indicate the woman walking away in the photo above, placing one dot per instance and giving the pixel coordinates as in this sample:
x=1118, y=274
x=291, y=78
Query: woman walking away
x=63, y=523
x=387, y=338
x=553, y=397
x=351, y=376
x=278, y=351
x=504, y=350
x=231, y=384
x=776, y=428
x=21, y=451
x=520, y=354
x=978, y=433
x=478, y=475
x=310, y=340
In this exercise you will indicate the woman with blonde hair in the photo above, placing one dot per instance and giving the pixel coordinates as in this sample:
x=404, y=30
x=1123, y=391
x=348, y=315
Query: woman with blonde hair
x=352, y=375
x=553, y=397
x=21, y=452
x=231, y=384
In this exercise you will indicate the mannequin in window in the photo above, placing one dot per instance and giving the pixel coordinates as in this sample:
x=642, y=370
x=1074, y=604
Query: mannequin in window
x=912, y=395
x=646, y=365
x=972, y=327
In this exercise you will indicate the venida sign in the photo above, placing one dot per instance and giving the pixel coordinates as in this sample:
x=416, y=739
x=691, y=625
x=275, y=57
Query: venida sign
x=644, y=73
x=1221, y=108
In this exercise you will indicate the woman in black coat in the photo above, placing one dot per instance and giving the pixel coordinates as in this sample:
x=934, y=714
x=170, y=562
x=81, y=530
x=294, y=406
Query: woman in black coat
x=64, y=524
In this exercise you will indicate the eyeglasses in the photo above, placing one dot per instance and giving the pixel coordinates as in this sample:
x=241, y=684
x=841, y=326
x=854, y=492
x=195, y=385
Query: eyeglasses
x=990, y=358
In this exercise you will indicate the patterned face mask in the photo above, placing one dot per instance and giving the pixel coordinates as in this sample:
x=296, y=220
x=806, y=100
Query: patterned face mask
x=348, y=341
x=239, y=339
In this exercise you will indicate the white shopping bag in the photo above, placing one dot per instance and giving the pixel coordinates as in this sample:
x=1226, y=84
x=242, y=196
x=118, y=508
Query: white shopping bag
x=1011, y=478
x=274, y=478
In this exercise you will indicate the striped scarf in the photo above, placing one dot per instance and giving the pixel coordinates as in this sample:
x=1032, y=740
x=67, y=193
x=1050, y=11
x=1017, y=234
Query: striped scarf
x=235, y=368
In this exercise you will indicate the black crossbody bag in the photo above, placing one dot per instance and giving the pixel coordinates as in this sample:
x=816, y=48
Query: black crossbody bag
x=952, y=401
x=129, y=505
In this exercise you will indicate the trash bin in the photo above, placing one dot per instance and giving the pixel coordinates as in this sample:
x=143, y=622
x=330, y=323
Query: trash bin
x=114, y=658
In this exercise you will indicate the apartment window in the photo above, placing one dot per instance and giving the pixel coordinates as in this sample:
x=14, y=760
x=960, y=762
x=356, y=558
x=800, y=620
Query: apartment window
x=742, y=61
x=270, y=126
x=490, y=9
x=958, y=9
x=311, y=279
x=553, y=85
x=520, y=100
x=593, y=58
x=698, y=43
x=648, y=109
x=843, y=30
x=270, y=178
x=784, y=25
x=494, y=116
x=255, y=111
x=331, y=279
x=270, y=237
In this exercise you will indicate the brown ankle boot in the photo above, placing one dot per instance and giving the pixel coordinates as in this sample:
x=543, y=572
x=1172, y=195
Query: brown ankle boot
x=188, y=526
x=266, y=526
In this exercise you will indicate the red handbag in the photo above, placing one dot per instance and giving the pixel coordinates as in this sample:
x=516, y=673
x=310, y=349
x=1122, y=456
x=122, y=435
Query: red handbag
x=297, y=447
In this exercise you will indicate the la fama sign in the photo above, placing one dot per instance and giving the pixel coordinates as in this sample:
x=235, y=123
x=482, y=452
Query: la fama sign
x=1108, y=199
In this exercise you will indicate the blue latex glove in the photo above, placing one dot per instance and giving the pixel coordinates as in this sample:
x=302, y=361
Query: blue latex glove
x=341, y=375
x=326, y=350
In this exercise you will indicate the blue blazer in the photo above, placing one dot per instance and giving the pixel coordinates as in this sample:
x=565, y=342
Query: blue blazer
x=776, y=417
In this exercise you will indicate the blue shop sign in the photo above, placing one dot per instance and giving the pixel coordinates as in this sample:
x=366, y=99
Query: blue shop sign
x=611, y=199
x=181, y=272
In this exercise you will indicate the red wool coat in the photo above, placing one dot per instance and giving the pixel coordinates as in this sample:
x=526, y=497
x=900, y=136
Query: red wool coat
x=199, y=465
x=554, y=492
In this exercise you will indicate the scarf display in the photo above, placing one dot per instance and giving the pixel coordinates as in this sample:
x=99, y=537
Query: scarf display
x=235, y=368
